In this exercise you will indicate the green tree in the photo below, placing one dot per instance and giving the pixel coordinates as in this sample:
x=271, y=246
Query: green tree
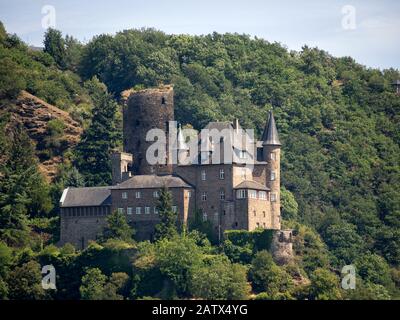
x=92, y=287
x=116, y=287
x=73, y=53
x=11, y=78
x=94, y=150
x=344, y=243
x=218, y=278
x=23, y=191
x=267, y=277
x=324, y=285
x=176, y=258
x=54, y=44
x=168, y=218
x=117, y=227
x=290, y=207
x=25, y=282
x=374, y=269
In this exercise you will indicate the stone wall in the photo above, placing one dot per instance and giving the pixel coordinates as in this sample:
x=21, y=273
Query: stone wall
x=145, y=110
x=282, y=246
x=81, y=224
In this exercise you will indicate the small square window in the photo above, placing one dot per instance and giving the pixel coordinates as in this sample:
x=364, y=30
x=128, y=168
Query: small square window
x=138, y=194
x=155, y=210
x=156, y=194
x=147, y=210
x=273, y=197
x=273, y=175
x=129, y=210
x=204, y=196
x=124, y=195
x=273, y=156
x=138, y=210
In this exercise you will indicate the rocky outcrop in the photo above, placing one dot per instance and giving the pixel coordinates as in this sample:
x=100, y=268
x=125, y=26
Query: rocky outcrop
x=34, y=114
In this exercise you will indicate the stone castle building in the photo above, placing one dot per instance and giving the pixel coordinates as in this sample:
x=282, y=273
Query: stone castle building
x=233, y=195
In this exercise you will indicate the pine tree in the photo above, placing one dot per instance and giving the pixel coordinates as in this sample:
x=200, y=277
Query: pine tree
x=117, y=228
x=23, y=191
x=167, y=226
x=93, y=152
x=54, y=45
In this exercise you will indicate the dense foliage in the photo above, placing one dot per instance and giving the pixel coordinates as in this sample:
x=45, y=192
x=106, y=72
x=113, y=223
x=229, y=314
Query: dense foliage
x=339, y=125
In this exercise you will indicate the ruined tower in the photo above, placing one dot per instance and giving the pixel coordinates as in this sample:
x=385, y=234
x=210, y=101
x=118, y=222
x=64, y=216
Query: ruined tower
x=145, y=110
x=272, y=155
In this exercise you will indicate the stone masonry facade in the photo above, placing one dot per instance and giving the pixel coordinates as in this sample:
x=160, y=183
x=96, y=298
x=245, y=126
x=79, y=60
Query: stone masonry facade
x=229, y=195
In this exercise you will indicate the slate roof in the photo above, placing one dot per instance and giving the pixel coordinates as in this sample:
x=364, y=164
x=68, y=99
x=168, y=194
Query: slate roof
x=219, y=125
x=82, y=197
x=250, y=184
x=152, y=182
x=270, y=135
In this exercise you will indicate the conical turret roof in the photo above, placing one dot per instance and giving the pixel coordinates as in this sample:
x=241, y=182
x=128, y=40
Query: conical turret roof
x=270, y=135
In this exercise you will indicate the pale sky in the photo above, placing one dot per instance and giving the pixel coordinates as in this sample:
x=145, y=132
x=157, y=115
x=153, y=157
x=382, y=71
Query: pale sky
x=372, y=39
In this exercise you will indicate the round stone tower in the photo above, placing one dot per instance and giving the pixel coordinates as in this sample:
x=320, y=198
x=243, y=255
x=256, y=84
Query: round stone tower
x=145, y=110
x=272, y=155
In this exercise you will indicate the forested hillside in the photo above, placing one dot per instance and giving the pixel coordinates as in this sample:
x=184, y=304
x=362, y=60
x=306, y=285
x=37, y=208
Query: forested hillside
x=339, y=126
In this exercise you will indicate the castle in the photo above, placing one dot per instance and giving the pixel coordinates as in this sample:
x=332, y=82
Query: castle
x=231, y=195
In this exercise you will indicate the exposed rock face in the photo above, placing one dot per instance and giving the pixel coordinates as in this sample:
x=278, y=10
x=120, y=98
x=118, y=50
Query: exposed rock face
x=35, y=114
x=282, y=247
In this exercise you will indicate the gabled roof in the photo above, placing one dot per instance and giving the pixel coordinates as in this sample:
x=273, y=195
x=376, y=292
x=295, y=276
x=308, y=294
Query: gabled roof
x=219, y=125
x=270, y=135
x=152, y=182
x=250, y=184
x=82, y=197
